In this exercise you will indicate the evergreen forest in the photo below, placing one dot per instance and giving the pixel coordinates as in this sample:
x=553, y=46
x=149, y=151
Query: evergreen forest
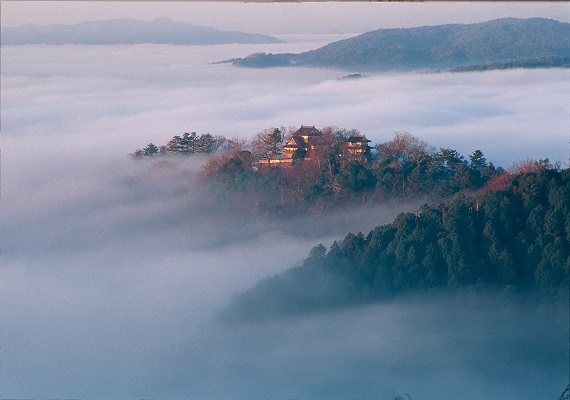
x=513, y=236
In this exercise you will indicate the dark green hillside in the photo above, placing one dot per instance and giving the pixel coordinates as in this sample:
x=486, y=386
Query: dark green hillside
x=514, y=233
x=440, y=47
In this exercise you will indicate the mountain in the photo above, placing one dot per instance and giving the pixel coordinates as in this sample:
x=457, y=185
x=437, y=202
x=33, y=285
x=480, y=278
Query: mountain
x=434, y=47
x=512, y=236
x=128, y=31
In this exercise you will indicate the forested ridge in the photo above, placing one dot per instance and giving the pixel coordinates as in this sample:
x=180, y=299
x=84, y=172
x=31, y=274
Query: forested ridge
x=480, y=226
x=513, y=235
x=499, y=41
x=399, y=170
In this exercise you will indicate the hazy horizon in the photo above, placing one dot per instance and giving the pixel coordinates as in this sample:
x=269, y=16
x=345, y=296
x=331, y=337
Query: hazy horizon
x=282, y=18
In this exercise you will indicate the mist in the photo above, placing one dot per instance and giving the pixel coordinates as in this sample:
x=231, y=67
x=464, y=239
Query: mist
x=114, y=271
x=122, y=97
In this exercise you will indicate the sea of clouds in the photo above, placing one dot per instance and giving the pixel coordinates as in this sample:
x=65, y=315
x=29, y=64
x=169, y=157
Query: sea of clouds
x=113, y=270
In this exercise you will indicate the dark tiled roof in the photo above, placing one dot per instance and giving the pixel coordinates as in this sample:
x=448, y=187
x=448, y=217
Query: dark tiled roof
x=357, y=139
x=305, y=130
x=297, y=142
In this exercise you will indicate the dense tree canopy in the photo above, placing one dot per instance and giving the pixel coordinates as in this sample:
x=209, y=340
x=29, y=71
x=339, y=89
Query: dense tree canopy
x=191, y=143
x=402, y=169
x=518, y=236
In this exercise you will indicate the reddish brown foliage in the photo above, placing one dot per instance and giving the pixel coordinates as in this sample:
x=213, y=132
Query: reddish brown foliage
x=499, y=182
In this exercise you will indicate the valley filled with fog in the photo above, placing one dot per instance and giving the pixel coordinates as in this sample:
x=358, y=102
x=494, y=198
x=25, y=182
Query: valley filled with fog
x=114, y=270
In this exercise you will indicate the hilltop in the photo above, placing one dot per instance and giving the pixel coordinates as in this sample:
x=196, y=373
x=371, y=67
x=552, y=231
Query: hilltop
x=283, y=171
x=433, y=47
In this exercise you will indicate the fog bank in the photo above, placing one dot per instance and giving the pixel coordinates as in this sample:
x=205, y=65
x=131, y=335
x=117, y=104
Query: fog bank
x=113, y=270
x=119, y=98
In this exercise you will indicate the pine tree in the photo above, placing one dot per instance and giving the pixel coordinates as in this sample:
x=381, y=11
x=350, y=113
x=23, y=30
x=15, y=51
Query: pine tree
x=151, y=150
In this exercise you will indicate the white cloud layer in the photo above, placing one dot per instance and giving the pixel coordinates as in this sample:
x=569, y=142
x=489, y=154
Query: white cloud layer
x=112, y=269
x=122, y=97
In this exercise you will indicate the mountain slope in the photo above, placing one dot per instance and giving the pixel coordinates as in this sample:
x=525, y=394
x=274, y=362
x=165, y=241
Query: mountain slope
x=514, y=235
x=127, y=31
x=443, y=46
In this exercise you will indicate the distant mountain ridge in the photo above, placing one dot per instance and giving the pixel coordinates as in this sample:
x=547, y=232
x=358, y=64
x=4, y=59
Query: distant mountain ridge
x=128, y=31
x=433, y=47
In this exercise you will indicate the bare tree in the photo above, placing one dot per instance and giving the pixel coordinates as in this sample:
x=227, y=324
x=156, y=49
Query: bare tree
x=235, y=143
x=404, y=147
x=531, y=165
x=268, y=144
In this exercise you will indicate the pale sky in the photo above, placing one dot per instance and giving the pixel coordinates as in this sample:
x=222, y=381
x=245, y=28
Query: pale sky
x=275, y=18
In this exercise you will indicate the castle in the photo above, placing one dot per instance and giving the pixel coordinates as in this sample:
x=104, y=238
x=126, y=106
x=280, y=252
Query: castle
x=303, y=143
x=306, y=142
